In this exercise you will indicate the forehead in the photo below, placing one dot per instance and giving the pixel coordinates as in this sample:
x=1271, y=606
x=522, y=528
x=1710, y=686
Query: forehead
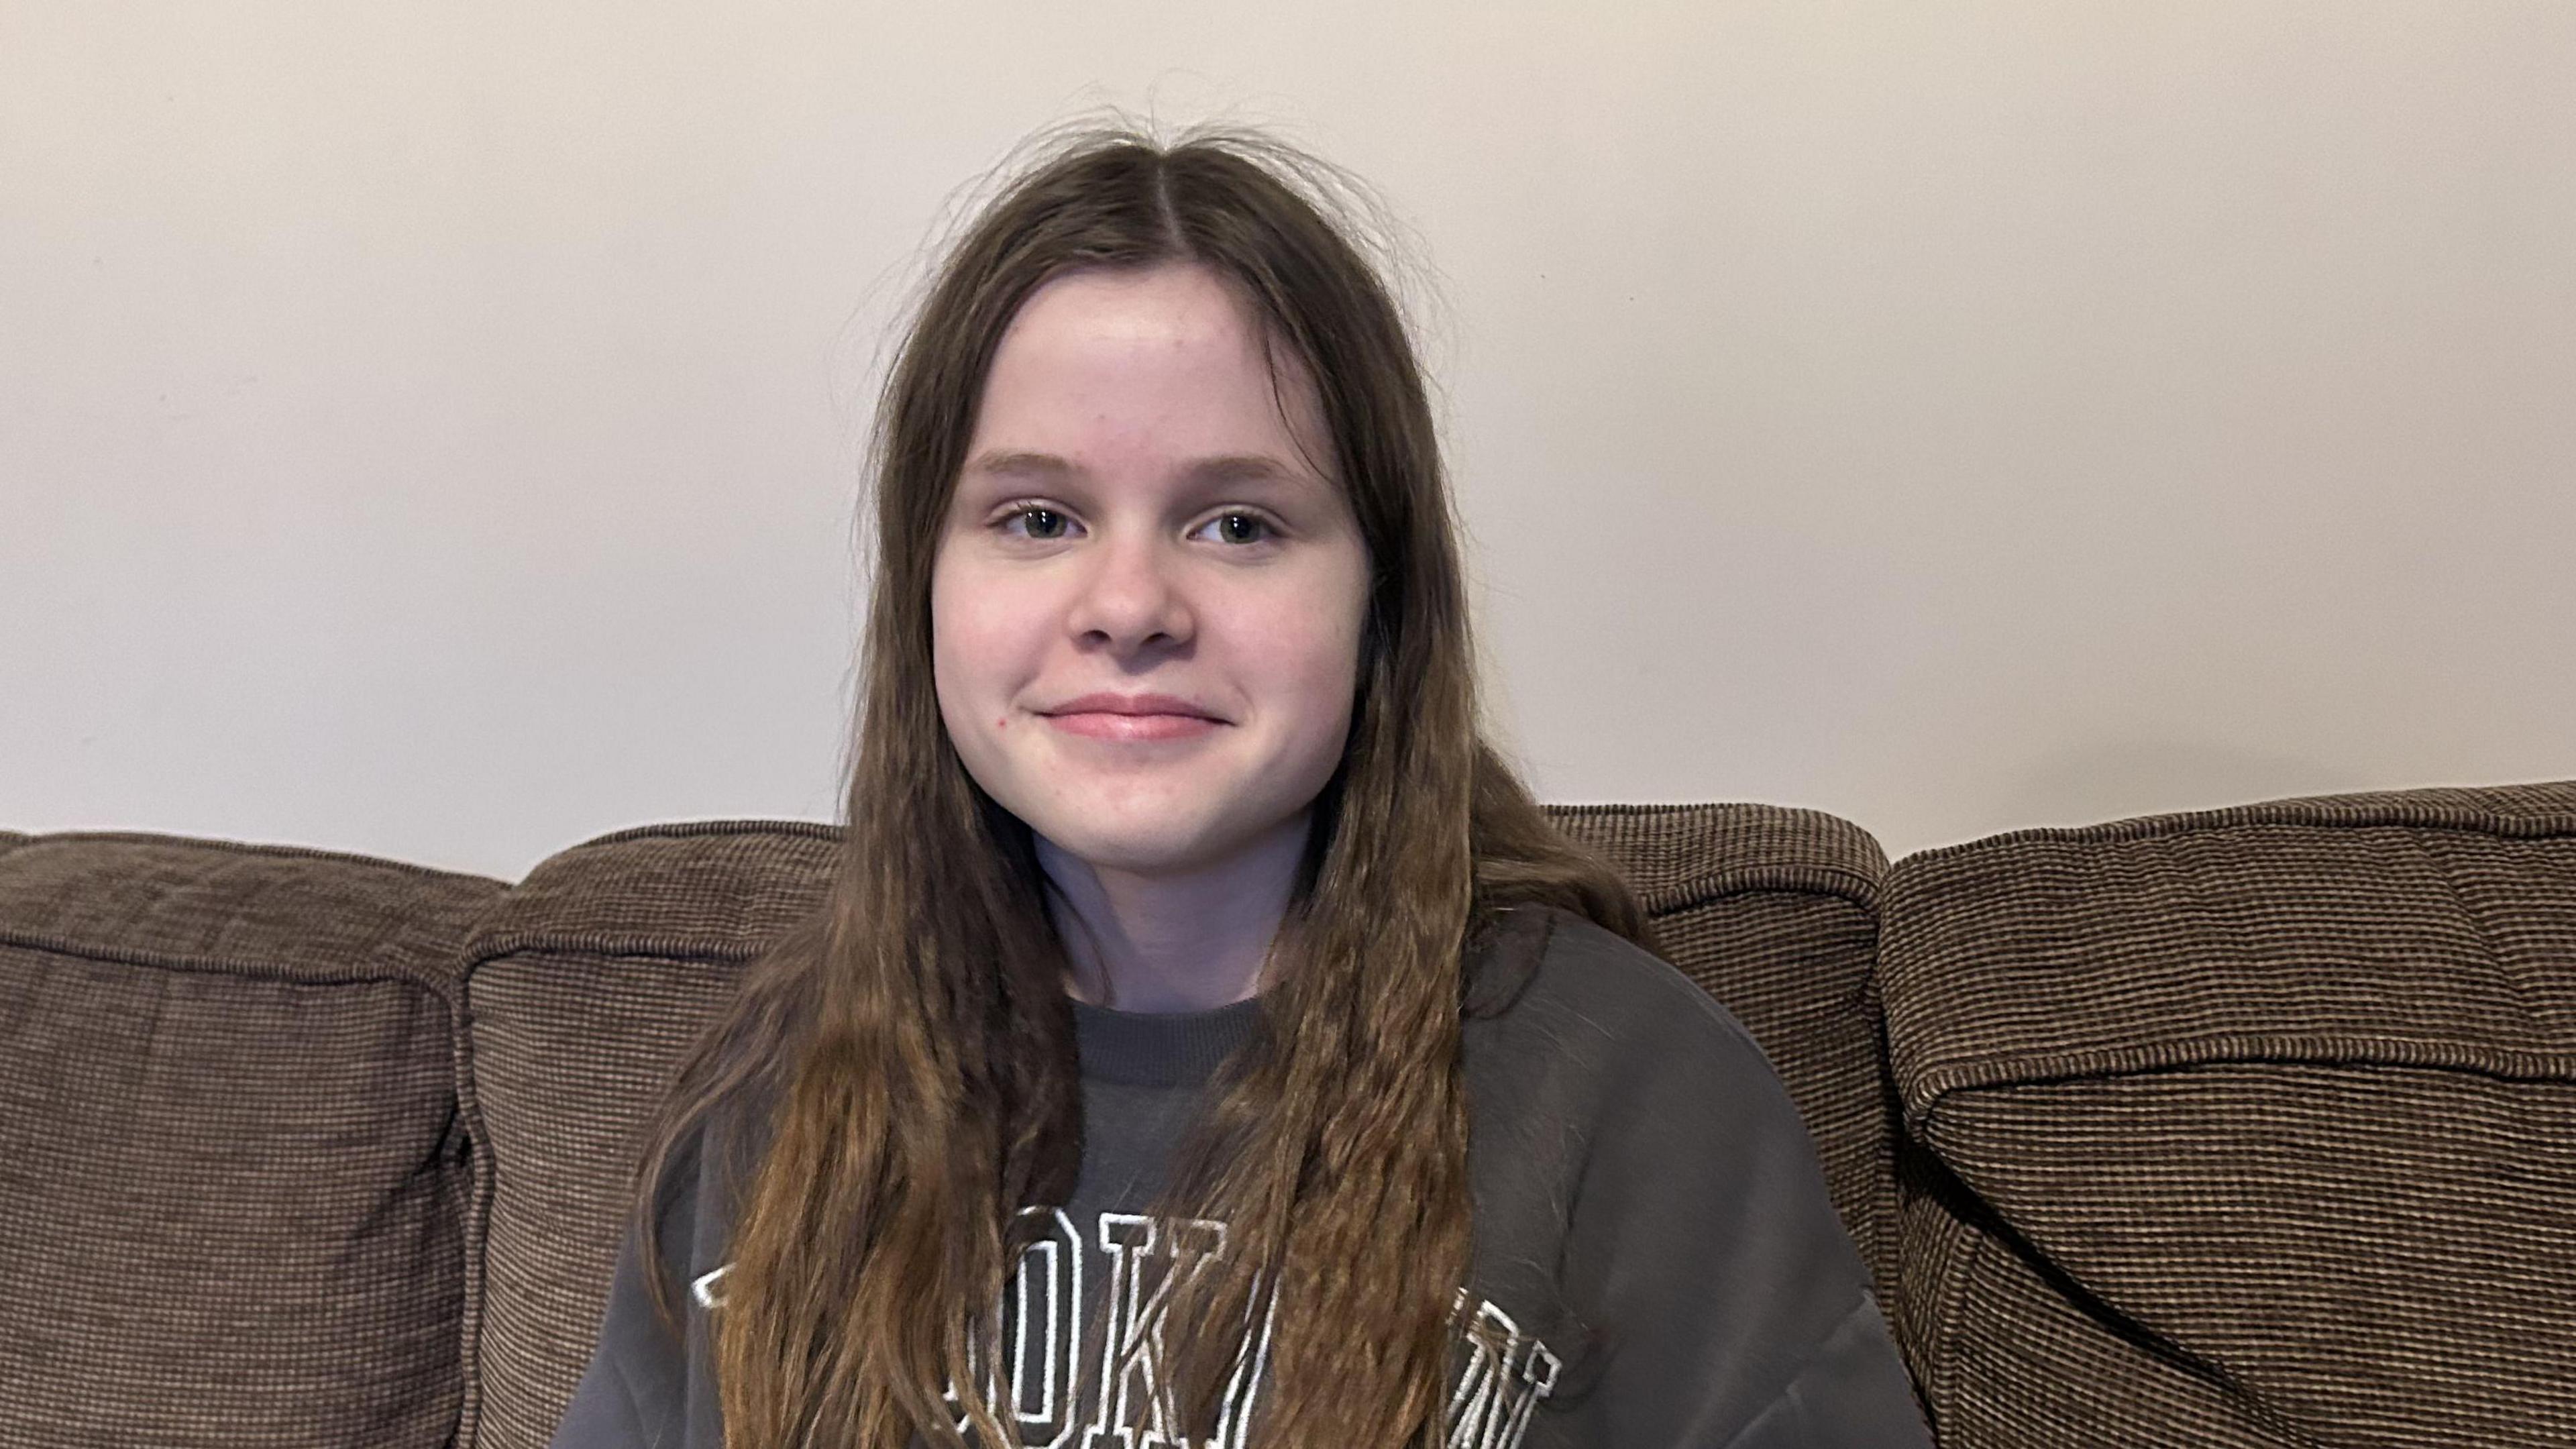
x=1182, y=304
x=1164, y=365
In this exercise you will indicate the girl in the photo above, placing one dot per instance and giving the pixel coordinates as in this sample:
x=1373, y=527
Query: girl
x=1205, y=1039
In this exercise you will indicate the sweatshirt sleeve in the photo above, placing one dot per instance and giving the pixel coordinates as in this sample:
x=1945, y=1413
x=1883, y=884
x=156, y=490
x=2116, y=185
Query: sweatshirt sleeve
x=1731, y=1308
x=604, y=1412
x=643, y=1386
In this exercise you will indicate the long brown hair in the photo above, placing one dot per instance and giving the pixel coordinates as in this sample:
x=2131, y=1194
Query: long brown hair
x=910, y=1044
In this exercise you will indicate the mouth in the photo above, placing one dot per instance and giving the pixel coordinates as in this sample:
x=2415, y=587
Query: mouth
x=1133, y=717
x=1113, y=725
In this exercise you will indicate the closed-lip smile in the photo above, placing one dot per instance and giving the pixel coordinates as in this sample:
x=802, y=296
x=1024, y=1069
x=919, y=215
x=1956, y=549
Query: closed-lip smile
x=1134, y=719
x=1134, y=704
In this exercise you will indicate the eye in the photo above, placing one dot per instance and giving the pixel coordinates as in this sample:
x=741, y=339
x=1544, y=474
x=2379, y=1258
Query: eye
x=1044, y=523
x=1258, y=529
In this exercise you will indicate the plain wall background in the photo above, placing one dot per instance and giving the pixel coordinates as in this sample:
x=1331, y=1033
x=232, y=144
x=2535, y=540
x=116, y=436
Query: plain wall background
x=433, y=431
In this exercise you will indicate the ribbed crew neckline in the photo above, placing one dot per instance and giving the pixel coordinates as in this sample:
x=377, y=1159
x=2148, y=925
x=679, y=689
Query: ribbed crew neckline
x=1160, y=1048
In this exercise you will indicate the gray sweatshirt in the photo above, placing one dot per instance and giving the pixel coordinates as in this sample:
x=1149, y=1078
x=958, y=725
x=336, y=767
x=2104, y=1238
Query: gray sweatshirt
x=1652, y=1239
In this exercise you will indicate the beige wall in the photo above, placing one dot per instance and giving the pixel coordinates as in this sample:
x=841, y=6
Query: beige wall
x=430, y=430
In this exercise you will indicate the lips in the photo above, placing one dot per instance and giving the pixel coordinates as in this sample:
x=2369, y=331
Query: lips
x=1133, y=717
x=1135, y=705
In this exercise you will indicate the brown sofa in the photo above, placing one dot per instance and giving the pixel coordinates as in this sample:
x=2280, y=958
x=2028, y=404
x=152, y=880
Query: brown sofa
x=2253, y=1126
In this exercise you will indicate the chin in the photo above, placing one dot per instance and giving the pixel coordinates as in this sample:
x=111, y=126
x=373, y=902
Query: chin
x=1156, y=848
x=1139, y=855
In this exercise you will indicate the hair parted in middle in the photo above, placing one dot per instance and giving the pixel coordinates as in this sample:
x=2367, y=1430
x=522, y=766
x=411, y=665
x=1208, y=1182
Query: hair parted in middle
x=903, y=1057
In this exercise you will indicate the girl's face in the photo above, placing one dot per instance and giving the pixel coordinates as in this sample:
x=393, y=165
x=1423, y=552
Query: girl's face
x=1146, y=605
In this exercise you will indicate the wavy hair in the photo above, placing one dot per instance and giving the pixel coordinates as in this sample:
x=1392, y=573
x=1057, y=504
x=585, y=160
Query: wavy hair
x=906, y=1051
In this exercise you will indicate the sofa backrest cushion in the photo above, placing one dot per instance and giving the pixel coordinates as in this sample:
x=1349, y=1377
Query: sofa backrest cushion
x=593, y=976
x=2253, y=1126
x=233, y=1185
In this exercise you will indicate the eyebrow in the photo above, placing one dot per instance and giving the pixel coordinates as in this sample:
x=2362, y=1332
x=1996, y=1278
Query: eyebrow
x=1223, y=468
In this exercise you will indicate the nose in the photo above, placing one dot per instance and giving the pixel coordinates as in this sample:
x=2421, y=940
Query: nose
x=1131, y=596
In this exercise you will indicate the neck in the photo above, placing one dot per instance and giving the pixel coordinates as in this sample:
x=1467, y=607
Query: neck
x=1188, y=940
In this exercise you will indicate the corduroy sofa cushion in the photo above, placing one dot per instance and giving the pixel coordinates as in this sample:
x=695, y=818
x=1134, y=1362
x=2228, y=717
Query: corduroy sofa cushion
x=593, y=975
x=233, y=1183
x=2245, y=1127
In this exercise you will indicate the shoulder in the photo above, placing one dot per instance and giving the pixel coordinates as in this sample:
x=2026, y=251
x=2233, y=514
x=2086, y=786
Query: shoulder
x=1609, y=1061
x=1646, y=1151
x=705, y=1173
x=1592, y=994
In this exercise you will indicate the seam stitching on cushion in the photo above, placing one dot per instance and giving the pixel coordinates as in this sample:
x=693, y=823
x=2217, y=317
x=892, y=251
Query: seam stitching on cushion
x=1951, y=1308
x=426, y=980
x=643, y=948
x=2271, y=815
x=483, y=1165
x=679, y=829
x=1830, y=882
x=2441, y=868
x=203, y=844
x=1934, y=1085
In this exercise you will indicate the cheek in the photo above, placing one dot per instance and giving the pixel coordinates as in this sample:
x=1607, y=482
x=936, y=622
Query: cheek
x=1322, y=672
x=962, y=643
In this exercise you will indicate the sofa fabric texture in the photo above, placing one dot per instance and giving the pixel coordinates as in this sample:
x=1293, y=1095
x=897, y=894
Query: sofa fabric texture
x=2249, y=1127
x=233, y=1177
